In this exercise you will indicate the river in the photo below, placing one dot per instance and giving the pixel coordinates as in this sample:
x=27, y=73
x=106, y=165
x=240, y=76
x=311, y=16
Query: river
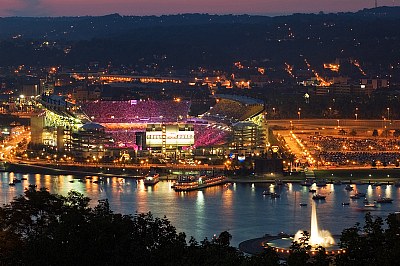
x=239, y=208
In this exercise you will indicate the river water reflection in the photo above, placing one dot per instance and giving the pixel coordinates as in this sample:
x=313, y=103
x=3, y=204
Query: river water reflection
x=239, y=208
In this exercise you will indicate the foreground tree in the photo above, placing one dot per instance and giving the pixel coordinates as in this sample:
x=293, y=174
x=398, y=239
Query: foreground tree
x=299, y=251
x=39, y=228
x=371, y=244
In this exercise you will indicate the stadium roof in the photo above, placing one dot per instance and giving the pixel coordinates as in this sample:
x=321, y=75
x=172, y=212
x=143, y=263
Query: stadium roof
x=239, y=98
x=92, y=126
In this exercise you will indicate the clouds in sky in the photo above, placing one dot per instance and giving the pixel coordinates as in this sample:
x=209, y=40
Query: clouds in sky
x=158, y=7
x=23, y=8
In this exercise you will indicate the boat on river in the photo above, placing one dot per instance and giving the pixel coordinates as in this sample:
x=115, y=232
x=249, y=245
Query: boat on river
x=368, y=207
x=190, y=182
x=360, y=194
x=266, y=193
x=318, y=197
x=151, y=179
x=275, y=195
x=357, y=195
x=348, y=188
x=384, y=200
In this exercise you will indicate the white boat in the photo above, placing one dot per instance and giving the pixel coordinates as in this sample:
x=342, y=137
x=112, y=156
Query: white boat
x=151, y=179
x=368, y=207
x=190, y=183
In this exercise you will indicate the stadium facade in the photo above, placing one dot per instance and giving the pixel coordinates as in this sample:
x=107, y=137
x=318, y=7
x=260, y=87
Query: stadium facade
x=162, y=127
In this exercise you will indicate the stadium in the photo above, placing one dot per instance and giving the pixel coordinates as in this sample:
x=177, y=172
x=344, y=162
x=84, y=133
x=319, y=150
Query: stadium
x=166, y=124
x=165, y=127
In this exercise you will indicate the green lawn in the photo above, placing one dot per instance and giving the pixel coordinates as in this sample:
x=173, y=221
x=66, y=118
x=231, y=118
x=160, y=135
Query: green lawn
x=360, y=174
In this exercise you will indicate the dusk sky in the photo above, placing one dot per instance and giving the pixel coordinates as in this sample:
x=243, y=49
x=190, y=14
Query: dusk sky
x=159, y=7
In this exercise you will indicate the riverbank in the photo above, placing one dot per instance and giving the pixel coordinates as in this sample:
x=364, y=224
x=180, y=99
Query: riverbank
x=350, y=175
x=73, y=170
x=256, y=245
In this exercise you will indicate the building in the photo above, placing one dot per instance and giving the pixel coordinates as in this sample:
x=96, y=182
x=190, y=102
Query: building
x=90, y=141
x=29, y=90
x=248, y=138
x=169, y=137
x=53, y=126
x=375, y=83
x=86, y=93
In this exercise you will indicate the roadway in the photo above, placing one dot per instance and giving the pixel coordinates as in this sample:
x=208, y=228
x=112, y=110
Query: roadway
x=316, y=124
x=10, y=145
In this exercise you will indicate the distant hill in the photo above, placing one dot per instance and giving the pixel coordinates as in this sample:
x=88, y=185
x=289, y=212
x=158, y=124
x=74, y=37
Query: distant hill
x=88, y=27
x=371, y=36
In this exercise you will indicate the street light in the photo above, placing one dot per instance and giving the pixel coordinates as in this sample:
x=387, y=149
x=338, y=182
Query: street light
x=356, y=113
x=338, y=123
x=299, y=113
x=388, y=113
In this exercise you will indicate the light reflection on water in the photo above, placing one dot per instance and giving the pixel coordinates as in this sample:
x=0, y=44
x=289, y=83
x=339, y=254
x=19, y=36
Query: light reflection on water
x=240, y=208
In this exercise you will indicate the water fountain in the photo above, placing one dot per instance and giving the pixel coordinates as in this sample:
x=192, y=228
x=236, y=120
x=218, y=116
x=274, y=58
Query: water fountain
x=317, y=237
